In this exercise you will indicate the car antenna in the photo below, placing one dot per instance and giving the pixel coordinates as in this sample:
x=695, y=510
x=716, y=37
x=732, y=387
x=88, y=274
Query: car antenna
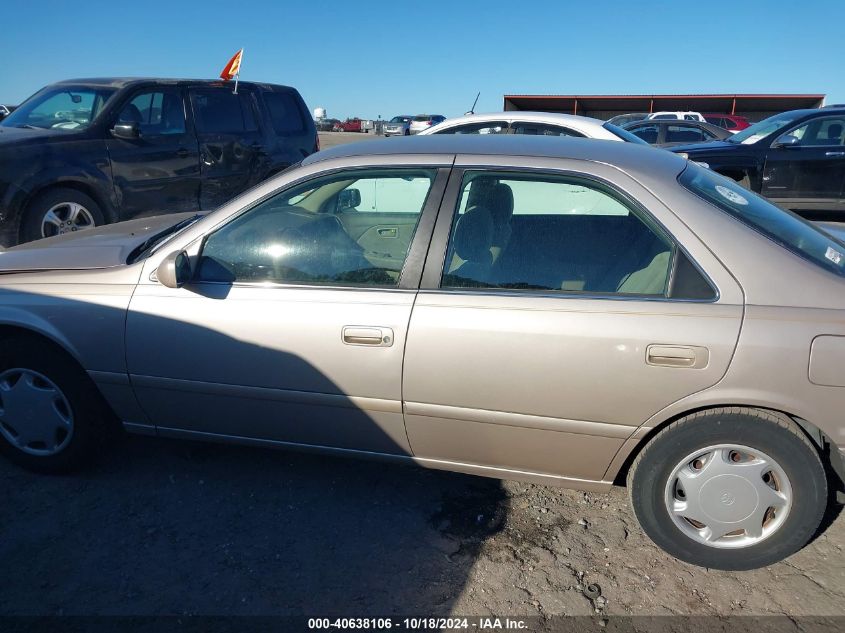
x=472, y=109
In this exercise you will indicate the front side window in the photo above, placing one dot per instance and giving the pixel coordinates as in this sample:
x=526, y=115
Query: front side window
x=353, y=228
x=541, y=129
x=156, y=112
x=60, y=108
x=648, y=133
x=222, y=112
x=782, y=227
x=538, y=232
x=818, y=132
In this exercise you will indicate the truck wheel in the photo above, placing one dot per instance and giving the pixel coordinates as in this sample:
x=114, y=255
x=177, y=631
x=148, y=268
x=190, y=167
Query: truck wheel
x=730, y=488
x=59, y=211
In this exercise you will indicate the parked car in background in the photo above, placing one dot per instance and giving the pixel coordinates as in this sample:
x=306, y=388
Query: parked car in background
x=422, y=122
x=574, y=313
x=326, y=125
x=94, y=151
x=534, y=124
x=678, y=116
x=349, y=125
x=5, y=110
x=623, y=119
x=663, y=133
x=731, y=122
x=796, y=159
x=398, y=126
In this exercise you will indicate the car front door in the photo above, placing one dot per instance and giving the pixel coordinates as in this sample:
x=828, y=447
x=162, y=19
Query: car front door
x=805, y=167
x=159, y=170
x=544, y=357
x=293, y=328
x=231, y=149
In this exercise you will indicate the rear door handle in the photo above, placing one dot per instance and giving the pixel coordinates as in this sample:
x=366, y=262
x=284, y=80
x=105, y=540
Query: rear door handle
x=834, y=154
x=182, y=152
x=372, y=336
x=679, y=356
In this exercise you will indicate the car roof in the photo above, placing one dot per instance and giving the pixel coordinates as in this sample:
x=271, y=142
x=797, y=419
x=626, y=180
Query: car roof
x=523, y=115
x=122, y=82
x=631, y=157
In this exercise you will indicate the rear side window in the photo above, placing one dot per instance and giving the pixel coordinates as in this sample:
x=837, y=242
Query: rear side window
x=782, y=227
x=555, y=234
x=541, y=129
x=685, y=134
x=222, y=112
x=284, y=112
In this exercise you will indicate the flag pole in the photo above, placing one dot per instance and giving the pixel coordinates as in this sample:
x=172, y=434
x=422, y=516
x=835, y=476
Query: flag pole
x=238, y=74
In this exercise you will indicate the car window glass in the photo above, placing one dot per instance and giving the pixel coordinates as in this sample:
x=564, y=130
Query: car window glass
x=64, y=108
x=157, y=112
x=541, y=129
x=820, y=132
x=221, y=111
x=529, y=232
x=685, y=134
x=284, y=112
x=490, y=127
x=664, y=116
x=648, y=133
x=353, y=228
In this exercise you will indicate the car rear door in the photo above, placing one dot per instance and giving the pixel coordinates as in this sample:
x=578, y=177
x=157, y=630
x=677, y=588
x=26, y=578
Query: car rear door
x=293, y=329
x=158, y=171
x=805, y=167
x=231, y=150
x=545, y=354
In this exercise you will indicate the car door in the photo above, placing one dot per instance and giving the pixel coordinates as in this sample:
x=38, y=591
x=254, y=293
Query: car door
x=231, y=150
x=548, y=357
x=805, y=167
x=159, y=170
x=292, y=330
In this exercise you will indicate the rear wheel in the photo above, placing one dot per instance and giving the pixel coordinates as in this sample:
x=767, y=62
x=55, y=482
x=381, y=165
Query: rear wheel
x=731, y=488
x=52, y=419
x=59, y=211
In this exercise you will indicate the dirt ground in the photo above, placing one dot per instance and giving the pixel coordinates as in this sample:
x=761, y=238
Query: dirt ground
x=168, y=527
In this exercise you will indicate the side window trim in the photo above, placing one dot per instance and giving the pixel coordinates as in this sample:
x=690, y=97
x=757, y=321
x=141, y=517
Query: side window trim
x=436, y=258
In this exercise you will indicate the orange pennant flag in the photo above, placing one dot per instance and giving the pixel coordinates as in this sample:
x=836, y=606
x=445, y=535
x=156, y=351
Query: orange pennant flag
x=233, y=67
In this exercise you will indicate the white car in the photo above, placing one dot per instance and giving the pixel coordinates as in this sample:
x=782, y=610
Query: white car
x=680, y=116
x=534, y=123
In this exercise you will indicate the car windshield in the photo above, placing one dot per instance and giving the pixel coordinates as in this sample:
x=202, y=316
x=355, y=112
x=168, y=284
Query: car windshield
x=764, y=128
x=60, y=108
x=400, y=119
x=782, y=227
x=625, y=135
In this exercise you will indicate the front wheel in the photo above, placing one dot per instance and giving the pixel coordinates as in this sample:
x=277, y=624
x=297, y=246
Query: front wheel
x=731, y=488
x=59, y=211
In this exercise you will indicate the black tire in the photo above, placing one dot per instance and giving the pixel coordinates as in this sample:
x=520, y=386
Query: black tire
x=772, y=433
x=93, y=422
x=36, y=210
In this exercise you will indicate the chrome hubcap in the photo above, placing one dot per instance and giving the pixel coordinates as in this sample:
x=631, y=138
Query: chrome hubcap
x=728, y=496
x=66, y=217
x=35, y=416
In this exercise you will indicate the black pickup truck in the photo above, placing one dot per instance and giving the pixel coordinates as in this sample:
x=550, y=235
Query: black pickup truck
x=93, y=151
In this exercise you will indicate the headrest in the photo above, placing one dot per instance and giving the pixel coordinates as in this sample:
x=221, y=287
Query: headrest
x=474, y=235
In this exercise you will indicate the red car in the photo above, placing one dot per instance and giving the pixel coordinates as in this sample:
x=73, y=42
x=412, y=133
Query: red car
x=350, y=125
x=731, y=122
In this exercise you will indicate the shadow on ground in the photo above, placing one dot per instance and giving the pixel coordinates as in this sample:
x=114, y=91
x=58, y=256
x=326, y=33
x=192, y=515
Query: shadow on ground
x=168, y=527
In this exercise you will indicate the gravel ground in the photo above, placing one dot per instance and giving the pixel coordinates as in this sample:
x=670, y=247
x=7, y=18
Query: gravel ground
x=168, y=527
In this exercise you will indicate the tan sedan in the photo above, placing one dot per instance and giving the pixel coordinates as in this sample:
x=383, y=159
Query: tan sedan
x=564, y=311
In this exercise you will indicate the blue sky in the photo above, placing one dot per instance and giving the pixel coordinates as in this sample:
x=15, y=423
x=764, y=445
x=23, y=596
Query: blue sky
x=369, y=59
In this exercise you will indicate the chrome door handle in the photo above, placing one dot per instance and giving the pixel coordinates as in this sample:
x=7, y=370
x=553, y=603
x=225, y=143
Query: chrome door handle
x=680, y=356
x=834, y=154
x=368, y=335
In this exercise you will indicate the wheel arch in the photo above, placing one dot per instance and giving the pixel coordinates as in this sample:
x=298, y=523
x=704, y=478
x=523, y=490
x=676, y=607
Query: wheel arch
x=70, y=183
x=617, y=472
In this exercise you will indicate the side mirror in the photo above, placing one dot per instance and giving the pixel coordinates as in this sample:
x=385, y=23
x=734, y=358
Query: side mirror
x=175, y=270
x=787, y=141
x=348, y=199
x=128, y=131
